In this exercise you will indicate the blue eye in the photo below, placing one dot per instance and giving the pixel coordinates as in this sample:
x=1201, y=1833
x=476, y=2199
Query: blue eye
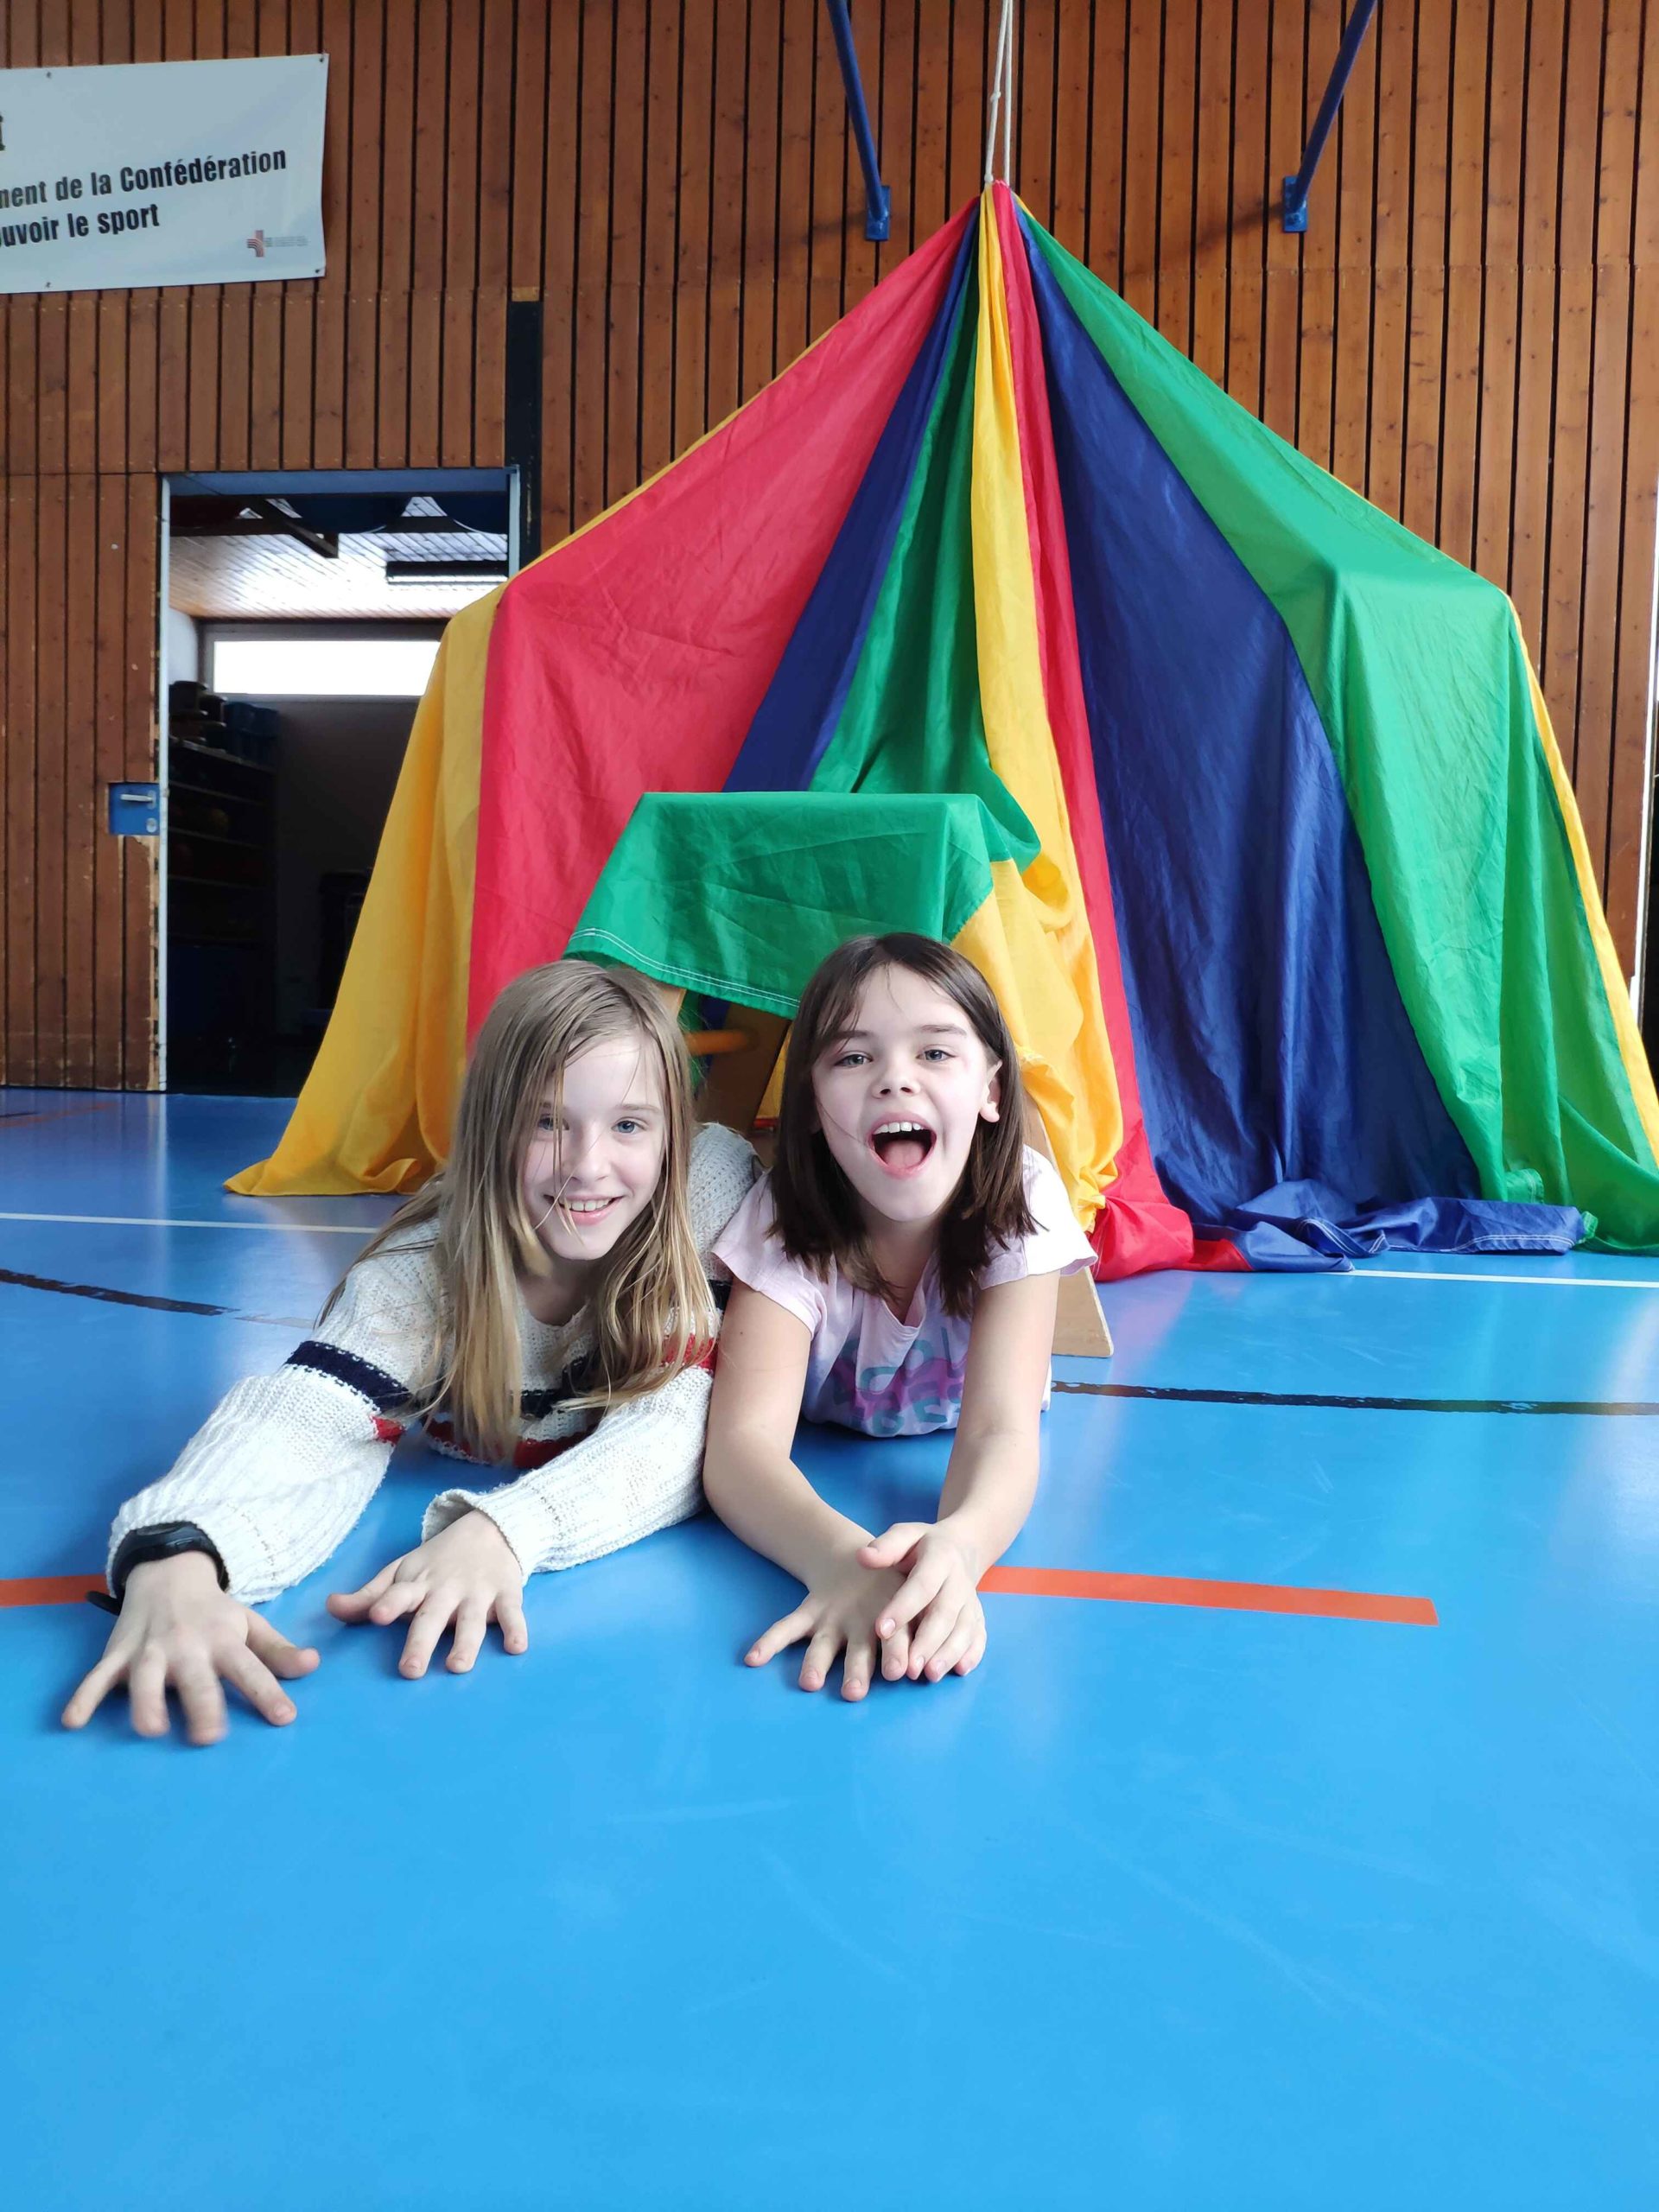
x=936, y=1052
x=850, y=1060
x=631, y=1125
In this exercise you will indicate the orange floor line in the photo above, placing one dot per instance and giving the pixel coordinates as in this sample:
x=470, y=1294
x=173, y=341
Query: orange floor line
x=48, y=1589
x=1007, y=1581
x=1234, y=1597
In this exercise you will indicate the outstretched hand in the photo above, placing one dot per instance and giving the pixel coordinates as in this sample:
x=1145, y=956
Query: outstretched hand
x=177, y=1630
x=934, y=1624
x=467, y=1575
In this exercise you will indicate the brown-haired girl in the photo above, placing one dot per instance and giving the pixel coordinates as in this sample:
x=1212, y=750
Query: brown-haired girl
x=898, y=1274
x=544, y=1301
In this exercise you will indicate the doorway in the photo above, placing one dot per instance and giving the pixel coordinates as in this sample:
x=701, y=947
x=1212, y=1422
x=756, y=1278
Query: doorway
x=302, y=615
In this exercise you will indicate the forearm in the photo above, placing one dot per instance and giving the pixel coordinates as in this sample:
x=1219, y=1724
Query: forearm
x=276, y=1478
x=988, y=1488
x=762, y=1496
x=640, y=1471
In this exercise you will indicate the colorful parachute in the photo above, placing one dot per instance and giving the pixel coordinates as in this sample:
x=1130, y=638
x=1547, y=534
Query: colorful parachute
x=1264, y=838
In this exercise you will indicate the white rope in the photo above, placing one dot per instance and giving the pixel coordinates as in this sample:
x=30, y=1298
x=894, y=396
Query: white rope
x=1008, y=103
x=1001, y=94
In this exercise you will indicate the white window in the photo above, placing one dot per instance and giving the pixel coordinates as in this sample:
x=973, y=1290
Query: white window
x=308, y=665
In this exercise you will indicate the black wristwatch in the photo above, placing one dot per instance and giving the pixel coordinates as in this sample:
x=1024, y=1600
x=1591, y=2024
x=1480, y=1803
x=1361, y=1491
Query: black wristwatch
x=165, y=1540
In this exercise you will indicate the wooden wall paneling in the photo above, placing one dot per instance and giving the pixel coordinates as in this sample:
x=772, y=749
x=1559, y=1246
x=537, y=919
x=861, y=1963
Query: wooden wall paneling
x=727, y=175
x=691, y=261
x=396, y=212
x=1635, y=672
x=860, y=257
x=201, y=372
x=80, y=384
x=972, y=36
x=931, y=129
x=1569, y=445
x=299, y=392
x=1073, y=66
x=1107, y=92
x=234, y=445
x=52, y=389
x=363, y=272
x=78, y=624
x=521, y=34
x=591, y=187
x=427, y=364
x=896, y=110
x=143, y=357
x=1034, y=104
x=1287, y=99
x=759, y=211
x=1396, y=36
x=1501, y=298
x=1212, y=188
x=22, y=739
x=109, y=711
x=1352, y=186
x=1248, y=243
x=1316, y=371
x=796, y=114
x=50, y=769
x=1535, y=366
x=658, y=253
x=838, y=184
x=1177, y=173
x=628, y=254
x=1140, y=134
x=1610, y=368
x=562, y=113
x=139, y=854
x=462, y=210
x=495, y=179
x=1419, y=497
x=328, y=300
x=1466, y=213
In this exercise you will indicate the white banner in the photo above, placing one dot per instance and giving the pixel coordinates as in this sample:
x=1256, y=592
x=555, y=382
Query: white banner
x=161, y=173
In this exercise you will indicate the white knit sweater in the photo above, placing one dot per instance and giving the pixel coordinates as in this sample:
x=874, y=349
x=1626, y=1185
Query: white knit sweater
x=288, y=1462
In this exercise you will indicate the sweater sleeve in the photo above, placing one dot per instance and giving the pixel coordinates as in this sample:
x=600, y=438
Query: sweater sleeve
x=641, y=1469
x=287, y=1463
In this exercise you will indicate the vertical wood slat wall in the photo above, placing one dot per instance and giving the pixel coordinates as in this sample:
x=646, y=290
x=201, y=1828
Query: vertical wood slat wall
x=1469, y=333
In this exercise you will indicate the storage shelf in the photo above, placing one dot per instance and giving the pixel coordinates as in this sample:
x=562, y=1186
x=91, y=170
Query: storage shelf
x=205, y=791
x=212, y=753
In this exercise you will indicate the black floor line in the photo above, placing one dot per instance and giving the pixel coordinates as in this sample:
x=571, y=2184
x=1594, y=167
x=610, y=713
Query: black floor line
x=139, y=1298
x=1360, y=1405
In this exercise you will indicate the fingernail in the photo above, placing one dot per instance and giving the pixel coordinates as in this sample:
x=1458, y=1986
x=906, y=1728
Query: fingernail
x=886, y=1628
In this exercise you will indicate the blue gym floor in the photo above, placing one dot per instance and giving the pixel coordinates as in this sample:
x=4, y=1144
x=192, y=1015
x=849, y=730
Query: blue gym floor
x=1165, y=1906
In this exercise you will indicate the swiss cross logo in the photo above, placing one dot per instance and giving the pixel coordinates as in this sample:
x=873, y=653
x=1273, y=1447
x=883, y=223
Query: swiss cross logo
x=258, y=242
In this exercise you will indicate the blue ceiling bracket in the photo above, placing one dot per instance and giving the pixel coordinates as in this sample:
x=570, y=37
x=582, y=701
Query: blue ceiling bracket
x=878, y=200
x=1296, y=188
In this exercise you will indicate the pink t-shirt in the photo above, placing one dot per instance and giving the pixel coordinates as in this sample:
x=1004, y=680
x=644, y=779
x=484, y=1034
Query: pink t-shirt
x=867, y=1370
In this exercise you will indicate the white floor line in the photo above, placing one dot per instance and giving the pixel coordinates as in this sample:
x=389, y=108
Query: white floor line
x=1551, y=1282
x=359, y=1229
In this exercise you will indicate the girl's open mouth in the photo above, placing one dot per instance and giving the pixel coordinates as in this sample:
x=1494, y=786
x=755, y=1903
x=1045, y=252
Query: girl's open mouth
x=584, y=1212
x=902, y=1145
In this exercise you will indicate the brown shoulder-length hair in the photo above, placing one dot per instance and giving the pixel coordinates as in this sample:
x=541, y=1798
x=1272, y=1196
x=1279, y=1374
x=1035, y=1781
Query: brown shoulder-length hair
x=819, y=1219
x=650, y=1306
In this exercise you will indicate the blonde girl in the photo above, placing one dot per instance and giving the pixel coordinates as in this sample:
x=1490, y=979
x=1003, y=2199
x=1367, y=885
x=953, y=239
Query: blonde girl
x=543, y=1302
x=896, y=1274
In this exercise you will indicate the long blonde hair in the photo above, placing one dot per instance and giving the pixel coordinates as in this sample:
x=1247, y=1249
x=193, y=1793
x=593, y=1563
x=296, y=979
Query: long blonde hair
x=652, y=1311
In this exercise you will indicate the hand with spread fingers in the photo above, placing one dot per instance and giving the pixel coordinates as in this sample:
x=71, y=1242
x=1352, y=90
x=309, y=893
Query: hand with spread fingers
x=177, y=1630
x=465, y=1577
x=837, y=1614
x=934, y=1624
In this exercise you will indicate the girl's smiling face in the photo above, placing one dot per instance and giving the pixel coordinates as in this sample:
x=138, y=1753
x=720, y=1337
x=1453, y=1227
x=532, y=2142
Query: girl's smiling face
x=593, y=1159
x=899, y=1093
